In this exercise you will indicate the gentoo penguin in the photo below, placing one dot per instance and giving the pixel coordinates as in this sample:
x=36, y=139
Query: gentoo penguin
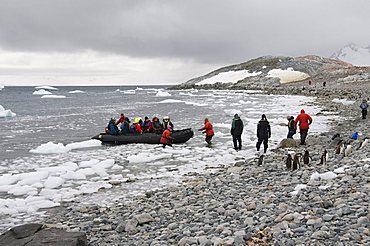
x=288, y=162
x=296, y=162
x=348, y=150
x=260, y=160
x=324, y=157
x=306, y=157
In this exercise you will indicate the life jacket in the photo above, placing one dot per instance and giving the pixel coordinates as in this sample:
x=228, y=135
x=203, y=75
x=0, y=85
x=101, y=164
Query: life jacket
x=166, y=137
x=208, y=128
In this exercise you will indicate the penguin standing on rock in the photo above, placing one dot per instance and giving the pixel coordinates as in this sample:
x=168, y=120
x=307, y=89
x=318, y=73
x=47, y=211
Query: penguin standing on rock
x=288, y=162
x=339, y=148
x=260, y=160
x=348, y=150
x=364, y=143
x=306, y=158
x=324, y=157
x=296, y=161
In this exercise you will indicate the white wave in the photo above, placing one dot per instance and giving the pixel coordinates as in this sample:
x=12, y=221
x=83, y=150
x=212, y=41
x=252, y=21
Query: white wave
x=76, y=92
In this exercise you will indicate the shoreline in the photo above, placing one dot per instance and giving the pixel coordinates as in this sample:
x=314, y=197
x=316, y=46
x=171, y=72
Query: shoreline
x=223, y=207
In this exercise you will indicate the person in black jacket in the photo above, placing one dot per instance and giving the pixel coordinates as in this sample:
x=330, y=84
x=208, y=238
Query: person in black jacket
x=236, y=131
x=263, y=133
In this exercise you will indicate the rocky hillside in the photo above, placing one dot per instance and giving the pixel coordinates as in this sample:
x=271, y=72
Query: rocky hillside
x=272, y=71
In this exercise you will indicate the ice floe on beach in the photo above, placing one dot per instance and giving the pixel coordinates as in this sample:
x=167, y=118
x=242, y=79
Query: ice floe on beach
x=52, y=148
x=53, y=96
x=343, y=101
x=42, y=92
x=6, y=112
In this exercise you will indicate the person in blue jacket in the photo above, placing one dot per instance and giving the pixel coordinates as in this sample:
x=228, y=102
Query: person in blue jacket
x=364, y=107
x=112, y=128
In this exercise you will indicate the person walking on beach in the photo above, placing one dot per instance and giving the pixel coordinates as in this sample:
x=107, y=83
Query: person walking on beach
x=364, y=107
x=236, y=131
x=263, y=133
x=304, y=124
x=291, y=129
x=208, y=130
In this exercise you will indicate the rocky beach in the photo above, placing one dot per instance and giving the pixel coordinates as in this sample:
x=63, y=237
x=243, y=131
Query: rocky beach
x=242, y=203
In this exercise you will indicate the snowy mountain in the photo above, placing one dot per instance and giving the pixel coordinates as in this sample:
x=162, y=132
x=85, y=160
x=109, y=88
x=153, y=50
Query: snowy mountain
x=353, y=54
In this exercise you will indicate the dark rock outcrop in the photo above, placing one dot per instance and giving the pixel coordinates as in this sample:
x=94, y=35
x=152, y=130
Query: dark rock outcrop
x=36, y=234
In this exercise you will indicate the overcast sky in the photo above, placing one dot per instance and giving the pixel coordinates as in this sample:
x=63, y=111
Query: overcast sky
x=65, y=42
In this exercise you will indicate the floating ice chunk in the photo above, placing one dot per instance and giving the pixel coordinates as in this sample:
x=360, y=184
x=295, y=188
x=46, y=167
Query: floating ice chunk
x=196, y=104
x=6, y=112
x=84, y=144
x=232, y=112
x=117, y=167
x=50, y=148
x=46, y=87
x=93, y=187
x=73, y=175
x=324, y=176
x=42, y=92
x=85, y=171
x=8, y=179
x=163, y=94
x=171, y=101
x=343, y=101
x=146, y=157
x=76, y=92
x=53, y=96
x=23, y=190
x=139, y=89
x=288, y=75
x=129, y=92
x=222, y=125
x=89, y=163
x=1, y=87
x=53, y=182
x=298, y=188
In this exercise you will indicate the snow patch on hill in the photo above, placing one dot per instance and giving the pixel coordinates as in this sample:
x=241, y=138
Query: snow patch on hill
x=228, y=77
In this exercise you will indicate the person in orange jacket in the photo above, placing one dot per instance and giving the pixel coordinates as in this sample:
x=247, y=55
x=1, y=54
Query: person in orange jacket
x=166, y=138
x=304, y=124
x=208, y=130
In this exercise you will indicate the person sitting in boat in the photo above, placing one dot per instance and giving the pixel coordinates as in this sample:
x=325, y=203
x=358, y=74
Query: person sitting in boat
x=167, y=122
x=136, y=126
x=121, y=119
x=147, y=125
x=125, y=126
x=156, y=125
x=112, y=129
x=166, y=138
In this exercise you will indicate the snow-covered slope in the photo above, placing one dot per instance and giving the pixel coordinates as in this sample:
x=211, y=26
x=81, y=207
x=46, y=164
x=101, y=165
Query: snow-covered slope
x=354, y=54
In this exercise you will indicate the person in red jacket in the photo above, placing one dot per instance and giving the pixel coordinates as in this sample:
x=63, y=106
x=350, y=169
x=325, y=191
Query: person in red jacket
x=166, y=138
x=121, y=119
x=208, y=130
x=304, y=124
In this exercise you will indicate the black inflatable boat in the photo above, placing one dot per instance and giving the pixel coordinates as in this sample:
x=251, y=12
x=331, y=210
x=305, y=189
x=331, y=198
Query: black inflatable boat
x=179, y=136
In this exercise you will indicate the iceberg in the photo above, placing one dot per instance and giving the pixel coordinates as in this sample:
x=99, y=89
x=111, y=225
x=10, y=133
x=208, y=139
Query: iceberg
x=6, y=112
x=42, y=92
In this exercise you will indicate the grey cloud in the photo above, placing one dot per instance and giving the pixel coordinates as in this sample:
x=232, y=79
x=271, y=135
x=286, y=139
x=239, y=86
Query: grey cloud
x=207, y=31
